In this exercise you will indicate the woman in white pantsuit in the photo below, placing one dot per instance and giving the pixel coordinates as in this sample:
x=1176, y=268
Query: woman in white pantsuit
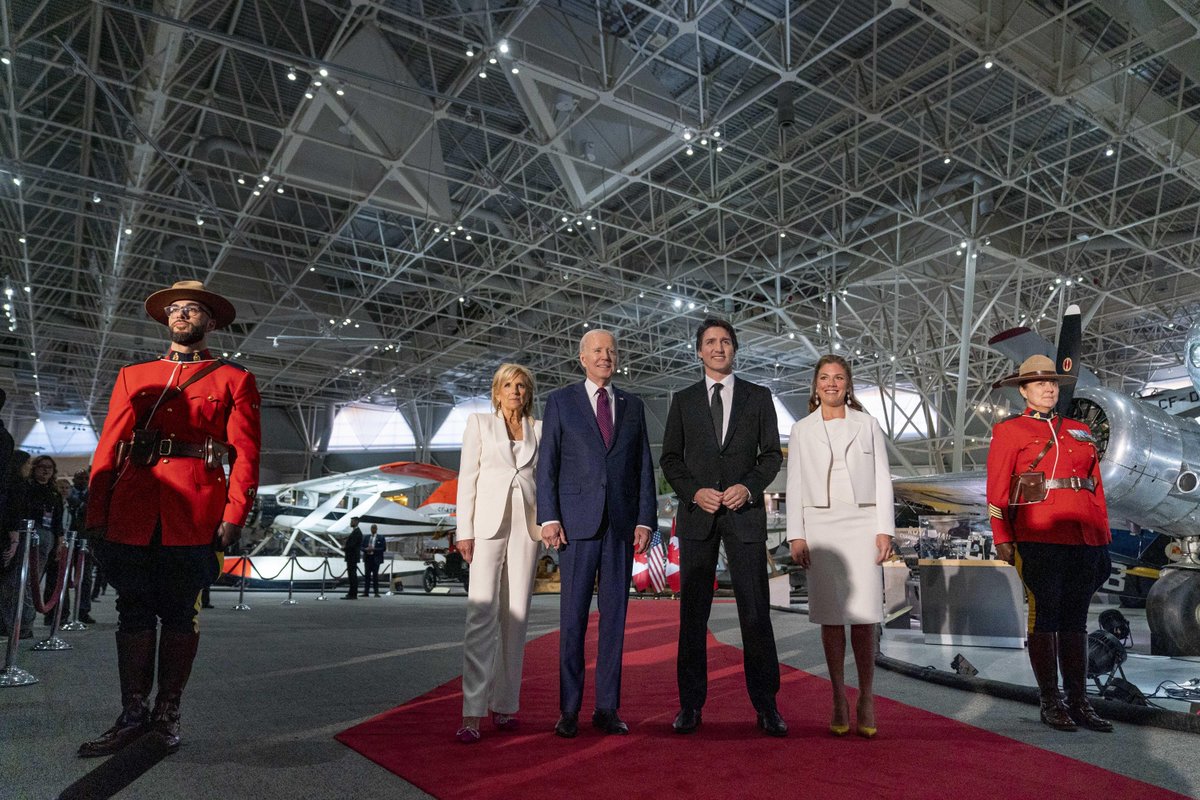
x=840, y=525
x=498, y=536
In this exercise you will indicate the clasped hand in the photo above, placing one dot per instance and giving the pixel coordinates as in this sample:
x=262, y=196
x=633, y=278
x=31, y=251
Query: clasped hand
x=733, y=498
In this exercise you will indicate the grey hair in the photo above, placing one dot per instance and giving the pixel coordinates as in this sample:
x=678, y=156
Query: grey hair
x=589, y=332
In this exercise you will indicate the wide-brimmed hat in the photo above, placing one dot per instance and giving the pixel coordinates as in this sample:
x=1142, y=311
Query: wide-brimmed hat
x=1035, y=368
x=222, y=310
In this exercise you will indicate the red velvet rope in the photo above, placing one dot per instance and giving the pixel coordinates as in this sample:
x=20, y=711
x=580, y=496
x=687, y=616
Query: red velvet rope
x=35, y=571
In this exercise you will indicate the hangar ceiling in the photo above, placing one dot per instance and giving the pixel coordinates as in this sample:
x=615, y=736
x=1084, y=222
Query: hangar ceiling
x=400, y=195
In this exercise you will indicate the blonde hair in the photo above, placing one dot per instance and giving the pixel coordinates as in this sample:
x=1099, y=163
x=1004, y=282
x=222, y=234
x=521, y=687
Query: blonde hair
x=814, y=402
x=506, y=373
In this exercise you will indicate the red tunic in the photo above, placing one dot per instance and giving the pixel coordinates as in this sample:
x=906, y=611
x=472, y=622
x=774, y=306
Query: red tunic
x=187, y=498
x=1066, y=516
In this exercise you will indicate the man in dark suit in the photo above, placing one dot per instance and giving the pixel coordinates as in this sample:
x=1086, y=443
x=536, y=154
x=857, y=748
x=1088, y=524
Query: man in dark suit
x=351, y=551
x=720, y=451
x=372, y=548
x=596, y=504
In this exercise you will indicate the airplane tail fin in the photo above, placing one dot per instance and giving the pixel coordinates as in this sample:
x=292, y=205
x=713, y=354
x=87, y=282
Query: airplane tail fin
x=445, y=494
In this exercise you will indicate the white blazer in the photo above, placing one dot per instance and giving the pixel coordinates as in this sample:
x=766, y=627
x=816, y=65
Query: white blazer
x=488, y=474
x=809, y=461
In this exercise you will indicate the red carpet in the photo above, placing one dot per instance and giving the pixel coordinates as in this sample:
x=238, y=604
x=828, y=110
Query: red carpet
x=917, y=754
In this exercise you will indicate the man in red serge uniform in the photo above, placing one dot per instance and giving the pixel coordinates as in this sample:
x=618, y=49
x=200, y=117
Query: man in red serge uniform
x=160, y=500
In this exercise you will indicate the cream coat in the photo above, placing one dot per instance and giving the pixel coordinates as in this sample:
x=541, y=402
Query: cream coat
x=488, y=473
x=809, y=460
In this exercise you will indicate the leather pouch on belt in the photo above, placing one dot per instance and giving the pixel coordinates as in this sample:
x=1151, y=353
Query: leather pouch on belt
x=143, y=447
x=1027, y=488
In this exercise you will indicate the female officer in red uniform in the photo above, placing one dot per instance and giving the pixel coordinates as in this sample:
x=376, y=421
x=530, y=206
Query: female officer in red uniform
x=1058, y=543
x=159, y=499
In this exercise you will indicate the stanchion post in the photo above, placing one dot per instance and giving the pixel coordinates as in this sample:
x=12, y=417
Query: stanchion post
x=241, y=603
x=324, y=569
x=80, y=566
x=14, y=675
x=54, y=642
x=291, y=601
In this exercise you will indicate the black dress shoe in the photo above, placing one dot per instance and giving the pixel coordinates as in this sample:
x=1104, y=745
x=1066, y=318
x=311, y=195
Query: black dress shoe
x=771, y=723
x=609, y=722
x=568, y=725
x=687, y=720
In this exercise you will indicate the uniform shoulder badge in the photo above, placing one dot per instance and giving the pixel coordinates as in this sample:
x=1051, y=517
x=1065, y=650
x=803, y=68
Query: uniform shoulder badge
x=233, y=364
x=1082, y=436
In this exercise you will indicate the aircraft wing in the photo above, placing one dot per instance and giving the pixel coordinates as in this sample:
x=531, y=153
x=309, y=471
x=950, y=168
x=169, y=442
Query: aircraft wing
x=953, y=493
x=394, y=476
x=1021, y=343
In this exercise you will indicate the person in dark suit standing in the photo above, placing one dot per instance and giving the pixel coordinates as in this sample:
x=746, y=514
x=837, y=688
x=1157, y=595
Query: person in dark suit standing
x=720, y=451
x=352, y=550
x=372, y=549
x=596, y=505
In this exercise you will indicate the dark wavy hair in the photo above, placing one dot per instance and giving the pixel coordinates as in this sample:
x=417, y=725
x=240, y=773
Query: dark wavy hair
x=814, y=402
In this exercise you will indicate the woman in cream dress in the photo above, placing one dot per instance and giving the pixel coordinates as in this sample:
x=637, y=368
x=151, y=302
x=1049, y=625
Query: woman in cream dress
x=840, y=525
x=498, y=536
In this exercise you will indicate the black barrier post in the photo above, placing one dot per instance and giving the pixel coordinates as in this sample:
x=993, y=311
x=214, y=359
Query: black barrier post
x=324, y=569
x=291, y=580
x=241, y=603
x=54, y=642
x=14, y=675
x=80, y=566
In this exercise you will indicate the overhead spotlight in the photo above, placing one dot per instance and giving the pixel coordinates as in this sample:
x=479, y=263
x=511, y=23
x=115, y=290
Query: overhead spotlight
x=340, y=89
x=470, y=51
x=257, y=192
x=241, y=181
x=589, y=151
x=688, y=134
x=782, y=235
x=690, y=151
x=17, y=180
x=720, y=147
x=462, y=298
x=324, y=73
x=199, y=220
x=514, y=69
x=492, y=60
x=988, y=63
x=318, y=83
x=129, y=231
x=21, y=238
x=704, y=141
x=564, y=218
x=588, y=217
x=279, y=190
x=6, y=57
x=677, y=303
x=95, y=197
x=504, y=46
x=291, y=73
x=691, y=306
x=946, y=159
x=1108, y=151
x=716, y=133
x=483, y=73
x=791, y=334
x=308, y=95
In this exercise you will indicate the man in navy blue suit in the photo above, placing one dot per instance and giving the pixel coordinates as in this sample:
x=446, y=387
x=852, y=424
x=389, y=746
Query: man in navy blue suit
x=596, y=505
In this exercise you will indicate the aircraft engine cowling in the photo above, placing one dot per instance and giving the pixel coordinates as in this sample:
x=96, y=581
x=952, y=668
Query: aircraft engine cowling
x=1149, y=461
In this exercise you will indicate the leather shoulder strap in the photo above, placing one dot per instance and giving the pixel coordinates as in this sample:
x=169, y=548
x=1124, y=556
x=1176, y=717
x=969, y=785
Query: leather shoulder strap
x=1046, y=449
x=175, y=391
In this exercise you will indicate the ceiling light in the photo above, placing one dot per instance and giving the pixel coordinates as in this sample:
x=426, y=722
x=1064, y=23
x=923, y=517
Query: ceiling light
x=317, y=83
x=21, y=238
x=279, y=190
x=1108, y=151
x=504, y=46
x=677, y=303
x=257, y=192
x=988, y=63
x=492, y=60
x=716, y=133
x=340, y=89
x=95, y=197
x=324, y=73
x=483, y=73
x=782, y=235
x=470, y=51
x=199, y=220
x=514, y=70
x=291, y=73
x=720, y=147
x=241, y=181
x=308, y=95
x=704, y=141
x=688, y=134
x=946, y=159
x=462, y=299
x=17, y=180
x=5, y=56
x=690, y=151
x=564, y=218
x=129, y=231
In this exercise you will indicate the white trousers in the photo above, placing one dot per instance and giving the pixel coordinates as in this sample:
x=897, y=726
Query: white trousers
x=498, y=598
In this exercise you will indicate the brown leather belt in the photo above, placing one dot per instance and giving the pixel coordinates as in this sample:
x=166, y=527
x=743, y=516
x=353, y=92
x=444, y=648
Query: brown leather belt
x=1073, y=482
x=178, y=449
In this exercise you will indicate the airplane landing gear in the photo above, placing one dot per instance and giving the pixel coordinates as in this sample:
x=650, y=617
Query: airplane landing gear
x=1173, y=612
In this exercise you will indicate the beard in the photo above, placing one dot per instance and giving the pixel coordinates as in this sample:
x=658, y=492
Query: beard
x=191, y=335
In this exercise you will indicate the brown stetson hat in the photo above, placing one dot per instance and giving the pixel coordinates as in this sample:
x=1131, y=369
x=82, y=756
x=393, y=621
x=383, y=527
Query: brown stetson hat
x=1035, y=368
x=222, y=310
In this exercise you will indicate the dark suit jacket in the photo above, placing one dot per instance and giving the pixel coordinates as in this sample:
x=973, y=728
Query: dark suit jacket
x=578, y=478
x=375, y=558
x=692, y=459
x=353, y=546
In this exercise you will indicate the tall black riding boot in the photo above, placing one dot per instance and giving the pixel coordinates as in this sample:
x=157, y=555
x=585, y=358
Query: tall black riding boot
x=176, y=651
x=1072, y=657
x=135, y=665
x=1043, y=657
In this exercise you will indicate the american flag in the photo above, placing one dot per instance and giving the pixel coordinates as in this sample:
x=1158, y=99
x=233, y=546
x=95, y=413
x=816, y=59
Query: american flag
x=656, y=563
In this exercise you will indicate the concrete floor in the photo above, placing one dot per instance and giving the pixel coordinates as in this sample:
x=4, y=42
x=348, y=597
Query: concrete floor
x=272, y=686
